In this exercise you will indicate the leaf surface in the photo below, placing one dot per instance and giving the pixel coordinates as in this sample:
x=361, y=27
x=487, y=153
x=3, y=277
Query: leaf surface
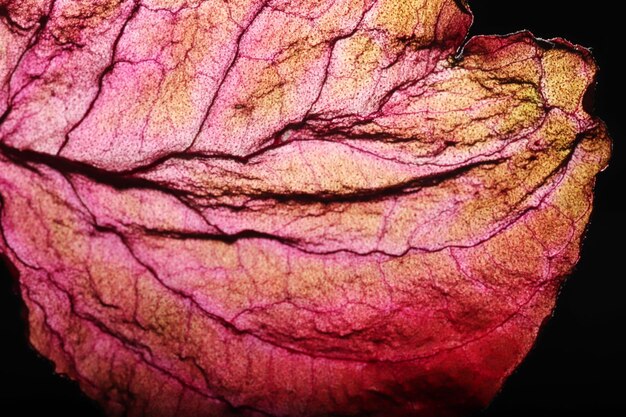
x=289, y=208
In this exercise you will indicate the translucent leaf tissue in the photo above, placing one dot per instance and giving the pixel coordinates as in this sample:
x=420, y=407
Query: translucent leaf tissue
x=289, y=208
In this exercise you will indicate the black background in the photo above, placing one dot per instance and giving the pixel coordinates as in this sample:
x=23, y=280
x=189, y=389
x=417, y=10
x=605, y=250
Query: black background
x=577, y=366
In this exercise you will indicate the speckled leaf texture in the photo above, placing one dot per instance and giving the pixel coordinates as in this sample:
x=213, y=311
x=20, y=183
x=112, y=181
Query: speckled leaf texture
x=289, y=208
